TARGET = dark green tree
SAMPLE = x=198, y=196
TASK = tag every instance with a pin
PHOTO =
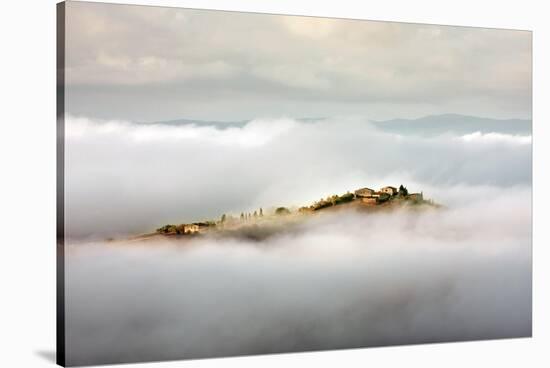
x=403, y=191
x=282, y=211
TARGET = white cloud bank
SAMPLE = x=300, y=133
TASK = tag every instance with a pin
x=124, y=178
x=335, y=282
x=497, y=138
x=460, y=273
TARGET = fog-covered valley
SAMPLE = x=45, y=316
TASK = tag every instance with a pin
x=339, y=280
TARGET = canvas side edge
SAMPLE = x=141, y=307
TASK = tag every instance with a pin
x=60, y=184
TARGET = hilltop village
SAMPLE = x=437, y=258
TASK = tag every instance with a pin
x=364, y=198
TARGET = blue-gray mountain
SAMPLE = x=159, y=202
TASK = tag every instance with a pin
x=431, y=125
x=453, y=123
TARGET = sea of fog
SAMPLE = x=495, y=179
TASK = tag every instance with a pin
x=340, y=280
x=123, y=177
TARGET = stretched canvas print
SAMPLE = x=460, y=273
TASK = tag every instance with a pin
x=237, y=183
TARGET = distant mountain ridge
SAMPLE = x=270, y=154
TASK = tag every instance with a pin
x=217, y=124
x=430, y=125
x=454, y=123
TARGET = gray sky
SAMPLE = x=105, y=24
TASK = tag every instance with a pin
x=151, y=63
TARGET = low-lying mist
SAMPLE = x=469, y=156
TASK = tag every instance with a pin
x=340, y=280
x=126, y=178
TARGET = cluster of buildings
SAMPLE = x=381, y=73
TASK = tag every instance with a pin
x=194, y=228
x=368, y=195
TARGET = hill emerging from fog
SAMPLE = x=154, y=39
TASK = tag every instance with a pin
x=260, y=224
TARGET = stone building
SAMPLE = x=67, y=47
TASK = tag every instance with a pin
x=364, y=193
x=191, y=228
x=389, y=190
